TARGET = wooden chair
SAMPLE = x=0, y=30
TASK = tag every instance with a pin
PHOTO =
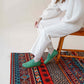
x=78, y=33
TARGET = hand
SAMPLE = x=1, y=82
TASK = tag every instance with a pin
x=37, y=22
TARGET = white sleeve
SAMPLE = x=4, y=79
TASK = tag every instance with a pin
x=51, y=11
x=74, y=11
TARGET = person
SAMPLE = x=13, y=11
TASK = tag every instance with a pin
x=60, y=18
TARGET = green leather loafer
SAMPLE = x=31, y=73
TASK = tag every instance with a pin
x=49, y=57
x=31, y=63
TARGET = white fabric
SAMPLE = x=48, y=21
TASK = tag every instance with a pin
x=55, y=28
x=51, y=11
x=74, y=11
x=43, y=41
x=58, y=20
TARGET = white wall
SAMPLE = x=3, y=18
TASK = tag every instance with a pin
x=16, y=11
x=18, y=18
x=20, y=15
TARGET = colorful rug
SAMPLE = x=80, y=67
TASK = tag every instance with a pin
x=21, y=75
x=73, y=68
x=68, y=71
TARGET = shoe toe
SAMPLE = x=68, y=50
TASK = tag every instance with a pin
x=24, y=65
x=45, y=62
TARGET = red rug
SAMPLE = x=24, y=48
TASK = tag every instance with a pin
x=21, y=75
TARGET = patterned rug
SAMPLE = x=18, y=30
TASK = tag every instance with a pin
x=68, y=71
x=73, y=68
x=21, y=75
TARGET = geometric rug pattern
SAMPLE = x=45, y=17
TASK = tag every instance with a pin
x=22, y=75
x=68, y=71
x=72, y=68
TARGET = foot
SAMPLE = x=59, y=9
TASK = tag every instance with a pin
x=49, y=57
x=31, y=63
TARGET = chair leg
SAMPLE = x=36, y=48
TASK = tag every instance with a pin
x=59, y=49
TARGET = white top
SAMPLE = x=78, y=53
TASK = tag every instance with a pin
x=74, y=11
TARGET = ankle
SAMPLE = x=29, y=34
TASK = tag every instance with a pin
x=36, y=60
x=51, y=51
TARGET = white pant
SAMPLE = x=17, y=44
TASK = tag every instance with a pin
x=48, y=29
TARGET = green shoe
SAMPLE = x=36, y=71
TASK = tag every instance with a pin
x=31, y=63
x=49, y=57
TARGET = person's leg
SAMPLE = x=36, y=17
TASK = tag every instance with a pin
x=36, y=44
x=51, y=53
x=33, y=49
x=42, y=42
x=50, y=48
x=60, y=30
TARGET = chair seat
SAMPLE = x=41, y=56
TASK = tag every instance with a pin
x=82, y=29
x=79, y=33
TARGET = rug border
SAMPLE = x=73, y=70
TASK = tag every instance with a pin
x=49, y=74
x=10, y=67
